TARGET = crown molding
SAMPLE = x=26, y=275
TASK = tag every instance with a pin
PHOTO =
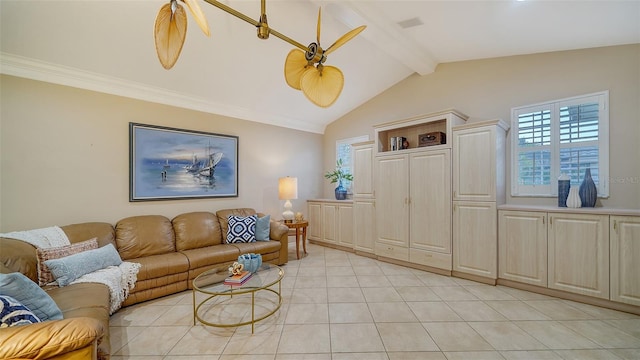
x=33, y=69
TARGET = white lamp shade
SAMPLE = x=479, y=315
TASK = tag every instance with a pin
x=288, y=188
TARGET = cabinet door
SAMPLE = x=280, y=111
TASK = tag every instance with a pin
x=363, y=171
x=345, y=225
x=625, y=259
x=363, y=220
x=314, y=230
x=392, y=191
x=474, y=164
x=475, y=238
x=579, y=253
x=330, y=223
x=522, y=247
x=430, y=189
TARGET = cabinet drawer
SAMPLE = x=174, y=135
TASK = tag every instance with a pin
x=430, y=258
x=392, y=251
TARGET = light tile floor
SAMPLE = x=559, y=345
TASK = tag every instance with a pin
x=341, y=306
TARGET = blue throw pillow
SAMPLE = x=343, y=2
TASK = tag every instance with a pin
x=242, y=229
x=263, y=227
x=12, y=313
x=29, y=294
x=69, y=268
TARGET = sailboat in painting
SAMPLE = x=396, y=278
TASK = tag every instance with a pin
x=209, y=169
x=195, y=165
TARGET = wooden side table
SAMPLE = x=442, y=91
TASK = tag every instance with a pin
x=301, y=229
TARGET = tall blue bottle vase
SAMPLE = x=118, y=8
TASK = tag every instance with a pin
x=341, y=191
x=588, y=190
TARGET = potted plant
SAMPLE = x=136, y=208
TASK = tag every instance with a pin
x=336, y=176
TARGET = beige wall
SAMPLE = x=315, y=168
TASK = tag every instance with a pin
x=488, y=89
x=64, y=157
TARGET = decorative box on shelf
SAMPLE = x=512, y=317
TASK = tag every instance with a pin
x=432, y=138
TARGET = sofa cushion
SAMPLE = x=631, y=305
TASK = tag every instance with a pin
x=140, y=236
x=28, y=293
x=70, y=268
x=159, y=266
x=258, y=247
x=13, y=313
x=44, y=274
x=212, y=255
x=241, y=229
x=223, y=217
x=263, y=226
x=196, y=230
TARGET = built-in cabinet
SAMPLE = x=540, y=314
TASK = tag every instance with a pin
x=625, y=259
x=331, y=222
x=478, y=187
x=522, y=247
x=430, y=208
x=576, y=251
x=475, y=250
x=413, y=191
x=440, y=207
x=364, y=202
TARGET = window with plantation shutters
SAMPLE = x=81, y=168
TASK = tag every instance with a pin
x=564, y=136
x=344, y=154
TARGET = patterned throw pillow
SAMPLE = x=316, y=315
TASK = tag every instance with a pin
x=44, y=274
x=13, y=313
x=242, y=229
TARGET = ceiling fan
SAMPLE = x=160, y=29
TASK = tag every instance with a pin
x=304, y=67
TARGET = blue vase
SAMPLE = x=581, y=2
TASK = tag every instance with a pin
x=588, y=190
x=564, y=183
x=341, y=191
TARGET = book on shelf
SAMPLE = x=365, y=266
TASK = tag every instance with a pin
x=238, y=279
x=392, y=145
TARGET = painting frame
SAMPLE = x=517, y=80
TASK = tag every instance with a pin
x=168, y=163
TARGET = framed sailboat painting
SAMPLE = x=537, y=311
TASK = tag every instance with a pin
x=168, y=164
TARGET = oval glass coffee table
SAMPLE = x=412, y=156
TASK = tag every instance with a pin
x=229, y=306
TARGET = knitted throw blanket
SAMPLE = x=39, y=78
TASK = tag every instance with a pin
x=41, y=238
x=119, y=279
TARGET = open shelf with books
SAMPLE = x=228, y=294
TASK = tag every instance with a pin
x=431, y=130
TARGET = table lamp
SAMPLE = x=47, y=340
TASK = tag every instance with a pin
x=287, y=190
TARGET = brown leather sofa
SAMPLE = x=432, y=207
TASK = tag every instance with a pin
x=172, y=253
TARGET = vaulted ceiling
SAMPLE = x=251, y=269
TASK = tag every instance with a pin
x=108, y=46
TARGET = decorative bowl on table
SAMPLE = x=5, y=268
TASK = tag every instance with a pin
x=251, y=262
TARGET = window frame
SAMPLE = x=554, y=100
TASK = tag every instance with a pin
x=555, y=146
x=349, y=166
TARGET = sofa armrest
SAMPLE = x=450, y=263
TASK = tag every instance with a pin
x=280, y=232
x=50, y=338
x=277, y=230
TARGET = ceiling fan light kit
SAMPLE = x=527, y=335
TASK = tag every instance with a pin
x=304, y=67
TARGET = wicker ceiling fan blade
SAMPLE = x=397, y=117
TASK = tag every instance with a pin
x=197, y=13
x=322, y=86
x=169, y=32
x=294, y=67
x=344, y=39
